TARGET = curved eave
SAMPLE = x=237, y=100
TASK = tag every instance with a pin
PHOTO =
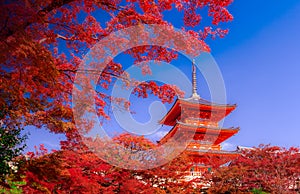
x=206, y=102
x=172, y=115
x=175, y=112
x=220, y=134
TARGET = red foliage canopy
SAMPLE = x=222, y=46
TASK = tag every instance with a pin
x=43, y=42
x=268, y=168
x=42, y=45
x=81, y=171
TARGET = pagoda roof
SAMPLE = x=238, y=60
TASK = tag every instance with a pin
x=221, y=134
x=202, y=101
x=195, y=103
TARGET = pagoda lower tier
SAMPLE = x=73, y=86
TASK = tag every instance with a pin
x=203, y=158
x=203, y=149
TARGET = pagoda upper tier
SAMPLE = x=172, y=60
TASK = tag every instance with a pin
x=196, y=107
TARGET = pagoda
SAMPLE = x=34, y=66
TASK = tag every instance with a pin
x=200, y=118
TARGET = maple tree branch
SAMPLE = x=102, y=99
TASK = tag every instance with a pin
x=5, y=24
x=70, y=78
x=54, y=5
x=119, y=8
x=4, y=34
x=41, y=13
x=96, y=72
x=58, y=36
x=64, y=37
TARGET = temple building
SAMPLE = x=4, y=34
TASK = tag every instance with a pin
x=200, y=119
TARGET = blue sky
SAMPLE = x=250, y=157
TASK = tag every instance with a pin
x=260, y=64
x=261, y=68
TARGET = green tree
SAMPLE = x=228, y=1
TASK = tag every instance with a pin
x=11, y=146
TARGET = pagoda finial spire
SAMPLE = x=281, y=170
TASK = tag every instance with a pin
x=194, y=81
